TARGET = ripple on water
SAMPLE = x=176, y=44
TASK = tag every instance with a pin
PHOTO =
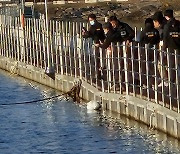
x=65, y=127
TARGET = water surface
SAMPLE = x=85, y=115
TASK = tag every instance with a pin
x=65, y=127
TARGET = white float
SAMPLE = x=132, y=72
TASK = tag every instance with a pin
x=93, y=105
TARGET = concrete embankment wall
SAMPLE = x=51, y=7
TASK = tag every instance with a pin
x=149, y=113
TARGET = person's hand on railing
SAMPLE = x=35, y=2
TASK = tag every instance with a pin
x=96, y=45
x=108, y=51
x=128, y=43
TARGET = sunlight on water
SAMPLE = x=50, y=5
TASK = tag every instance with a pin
x=59, y=126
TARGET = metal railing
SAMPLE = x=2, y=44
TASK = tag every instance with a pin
x=147, y=73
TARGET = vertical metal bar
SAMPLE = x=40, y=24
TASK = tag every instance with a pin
x=147, y=71
x=69, y=47
x=132, y=68
x=33, y=41
x=89, y=61
x=119, y=66
x=109, y=72
x=113, y=67
x=140, y=69
x=177, y=67
x=40, y=36
x=44, y=43
x=51, y=39
x=64, y=47
x=126, y=67
x=155, y=74
x=56, y=46
x=61, y=48
x=162, y=74
x=74, y=48
x=169, y=76
x=29, y=42
x=101, y=64
x=36, y=42
x=79, y=39
x=47, y=33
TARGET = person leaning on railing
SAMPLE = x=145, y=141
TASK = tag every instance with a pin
x=171, y=41
x=111, y=36
x=159, y=22
x=97, y=34
x=126, y=32
x=95, y=31
x=151, y=38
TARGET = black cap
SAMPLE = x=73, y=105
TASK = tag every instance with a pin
x=149, y=22
x=107, y=25
x=169, y=13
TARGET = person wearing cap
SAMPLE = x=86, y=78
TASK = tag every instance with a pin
x=171, y=41
x=171, y=32
x=110, y=36
x=150, y=37
x=95, y=31
x=126, y=32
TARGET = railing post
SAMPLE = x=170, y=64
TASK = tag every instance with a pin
x=101, y=65
x=169, y=77
x=79, y=47
x=177, y=67
x=155, y=74
x=126, y=67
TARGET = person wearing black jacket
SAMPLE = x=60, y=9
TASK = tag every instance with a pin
x=110, y=36
x=171, y=32
x=159, y=22
x=126, y=32
x=149, y=36
x=171, y=40
x=95, y=31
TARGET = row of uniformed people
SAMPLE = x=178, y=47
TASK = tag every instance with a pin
x=158, y=28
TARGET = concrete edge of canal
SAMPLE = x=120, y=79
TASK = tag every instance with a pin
x=154, y=115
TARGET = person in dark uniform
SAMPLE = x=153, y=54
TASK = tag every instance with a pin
x=97, y=34
x=159, y=21
x=127, y=33
x=171, y=32
x=95, y=31
x=171, y=40
x=150, y=37
x=110, y=36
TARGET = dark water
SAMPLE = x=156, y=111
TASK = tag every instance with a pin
x=65, y=127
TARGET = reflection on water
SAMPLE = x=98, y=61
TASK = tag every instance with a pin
x=57, y=126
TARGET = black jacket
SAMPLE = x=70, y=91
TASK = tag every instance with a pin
x=149, y=36
x=127, y=33
x=95, y=32
x=171, y=34
x=111, y=37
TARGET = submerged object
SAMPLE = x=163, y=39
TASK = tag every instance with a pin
x=93, y=105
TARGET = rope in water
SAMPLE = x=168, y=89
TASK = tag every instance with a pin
x=73, y=93
x=33, y=101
